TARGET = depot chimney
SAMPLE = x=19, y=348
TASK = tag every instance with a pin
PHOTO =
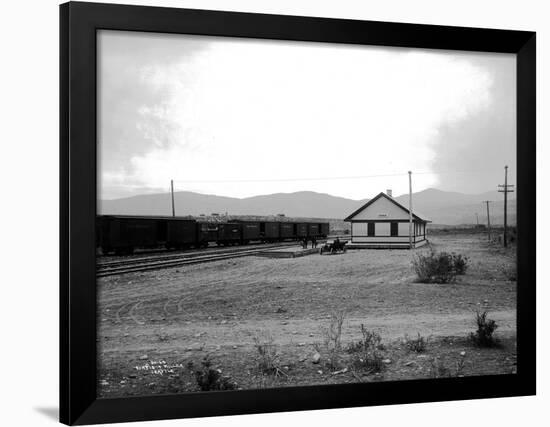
x=388, y=192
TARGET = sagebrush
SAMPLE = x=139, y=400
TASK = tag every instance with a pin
x=366, y=353
x=483, y=336
x=333, y=338
x=460, y=263
x=417, y=345
x=439, y=267
x=440, y=369
x=211, y=379
x=268, y=358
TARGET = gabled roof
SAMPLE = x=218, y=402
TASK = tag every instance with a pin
x=391, y=199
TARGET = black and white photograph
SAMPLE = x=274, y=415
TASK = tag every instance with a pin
x=277, y=213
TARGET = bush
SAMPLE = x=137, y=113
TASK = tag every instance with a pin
x=460, y=263
x=333, y=338
x=439, y=267
x=268, y=359
x=483, y=336
x=366, y=352
x=211, y=379
x=460, y=364
x=417, y=345
x=439, y=368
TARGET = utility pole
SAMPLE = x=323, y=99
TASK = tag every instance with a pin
x=477, y=219
x=410, y=211
x=488, y=220
x=505, y=190
x=172, y=191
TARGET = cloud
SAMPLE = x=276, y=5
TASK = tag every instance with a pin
x=133, y=106
x=486, y=140
x=221, y=109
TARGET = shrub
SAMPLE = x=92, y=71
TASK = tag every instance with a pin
x=366, y=352
x=333, y=338
x=438, y=369
x=439, y=267
x=483, y=336
x=212, y=379
x=460, y=263
x=268, y=359
x=417, y=345
x=460, y=364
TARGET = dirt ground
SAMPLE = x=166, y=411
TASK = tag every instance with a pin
x=156, y=327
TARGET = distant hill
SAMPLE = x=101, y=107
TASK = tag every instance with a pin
x=299, y=204
x=442, y=207
x=452, y=208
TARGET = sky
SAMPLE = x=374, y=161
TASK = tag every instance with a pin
x=243, y=117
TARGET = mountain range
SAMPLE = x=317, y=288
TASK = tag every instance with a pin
x=441, y=207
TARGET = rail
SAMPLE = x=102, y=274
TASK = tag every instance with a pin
x=157, y=263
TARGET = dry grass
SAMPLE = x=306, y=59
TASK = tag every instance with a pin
x=218, y=308
x=333, y=338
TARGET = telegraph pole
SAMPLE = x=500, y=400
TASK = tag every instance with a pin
x=410, y=211
x=488, y=220
x=505, y=190
x=172, y=191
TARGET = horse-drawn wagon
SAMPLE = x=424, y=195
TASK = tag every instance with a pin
x=334, y=246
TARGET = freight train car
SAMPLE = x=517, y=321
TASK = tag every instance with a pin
x=207, y=232
x=301, y=229
x=324, y=228
x=124, y=233
x=181, y=233
x=229, y=234
x=250, y=232
x=287, y=231
x=270, y=231
x=320, y=229
x=313, y=230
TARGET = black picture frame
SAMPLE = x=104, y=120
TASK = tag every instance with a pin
x=78, y=25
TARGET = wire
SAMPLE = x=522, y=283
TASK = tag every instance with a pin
x=328, y=178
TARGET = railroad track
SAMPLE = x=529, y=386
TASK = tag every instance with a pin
x=157, y=262
x=134, y=265
x=147, y=257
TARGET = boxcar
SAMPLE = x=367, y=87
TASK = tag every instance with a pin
x=123, y=234
x=301, y=229
x=269, y=231
x=287, y=231
x=206, y=232
x=182, y=233
x=229, y=234
x=324, y=228
x=313, y=230
x=250, y=231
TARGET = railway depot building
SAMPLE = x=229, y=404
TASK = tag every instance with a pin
x=383, y=223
